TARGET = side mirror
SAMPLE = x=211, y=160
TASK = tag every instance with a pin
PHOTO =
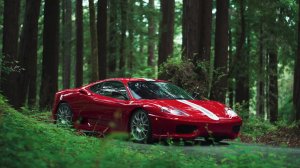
x=195, y=95
x=83, y=91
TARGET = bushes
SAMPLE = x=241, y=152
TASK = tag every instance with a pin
x=194, y=79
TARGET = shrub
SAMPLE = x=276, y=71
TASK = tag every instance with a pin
x=194, y=79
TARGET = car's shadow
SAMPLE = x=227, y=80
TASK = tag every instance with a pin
x=191, y=143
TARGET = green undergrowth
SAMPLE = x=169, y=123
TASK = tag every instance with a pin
x=27, y=142
x=255, y=127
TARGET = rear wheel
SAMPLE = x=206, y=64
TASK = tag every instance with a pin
x=140, y=128
x=64, y=115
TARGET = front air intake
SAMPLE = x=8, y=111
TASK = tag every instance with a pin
x=236, y=129
x=185, y=129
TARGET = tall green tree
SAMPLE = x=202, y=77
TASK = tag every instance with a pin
x=49, y=78
x=165, y=48
x=122, y=61
x=296, y=91
x=190, y=29
x=79, y=44
x=67, y=42
x=113, y=36
x=28, y=54
x=261, y=74
x=242, y=62
x=221, y=52
x=197, y=25
x=273, y=85
x=9, y=49
x=93, y=59
x=151, y=33
x=102, y=38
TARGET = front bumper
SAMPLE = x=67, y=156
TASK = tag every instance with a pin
x=177, y=128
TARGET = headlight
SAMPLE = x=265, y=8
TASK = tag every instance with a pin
x=230, y=112
x=173, y=111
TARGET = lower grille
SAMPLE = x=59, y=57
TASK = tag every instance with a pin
x=185, y=129
x=236, y=129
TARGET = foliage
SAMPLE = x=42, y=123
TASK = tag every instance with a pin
x=255, y=127
x=186, y=75
x=26, y=142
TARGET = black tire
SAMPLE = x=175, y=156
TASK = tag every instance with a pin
x=64, y=115
x=140, y=127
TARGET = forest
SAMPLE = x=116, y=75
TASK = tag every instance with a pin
x=238, y=52
x=244, y=53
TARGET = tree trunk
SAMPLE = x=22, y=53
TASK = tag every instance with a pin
x=231, y=83
x=124, y=4
x=197, y=24
x=190, y=29
x=50, y=53
x=113, y=33
x=67, y=42
x=151, y=33
x=267, y=84
x=102, y=37
x=93, y=60
x=131, y=26
x=260, y=83
x=221, y=52
x=79, y=44
x=273, y=86
x=9, y=49
x=166, y=31
x=241, y=67
x=130, y=54
x=205, y=33
x=296, y=93
x=28, y=54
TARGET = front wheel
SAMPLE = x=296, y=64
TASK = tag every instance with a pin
x=140, y=128
x=64, y=115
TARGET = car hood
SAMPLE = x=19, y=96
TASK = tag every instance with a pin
x=198, y=108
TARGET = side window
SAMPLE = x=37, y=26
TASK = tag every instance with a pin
x=96, y=88
x=112, y=89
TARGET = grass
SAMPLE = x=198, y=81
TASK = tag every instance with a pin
x=27, y=142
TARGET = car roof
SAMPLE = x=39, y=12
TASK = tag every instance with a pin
x=132, y=79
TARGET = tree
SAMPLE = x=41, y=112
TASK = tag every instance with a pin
x=131, y=26
x=28, y=54
x=190, y=29
x=166, y=31
x=241, y=70
x=197, y=23
x=79, y=44
x=113, y=35
x=296, y=93
x=151, y=33
x=50, y=53
x=260, y=84
x=102, y=37
x=9, y=49
x=93, y=60
x=124, y=9
x=67, y=42
x=221, y=52
x=273, y=85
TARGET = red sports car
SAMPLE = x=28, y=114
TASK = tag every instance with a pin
x=147, y=109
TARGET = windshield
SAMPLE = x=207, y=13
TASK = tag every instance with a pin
x=157, y=90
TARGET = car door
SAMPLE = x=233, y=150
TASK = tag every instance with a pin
x=108, y=103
